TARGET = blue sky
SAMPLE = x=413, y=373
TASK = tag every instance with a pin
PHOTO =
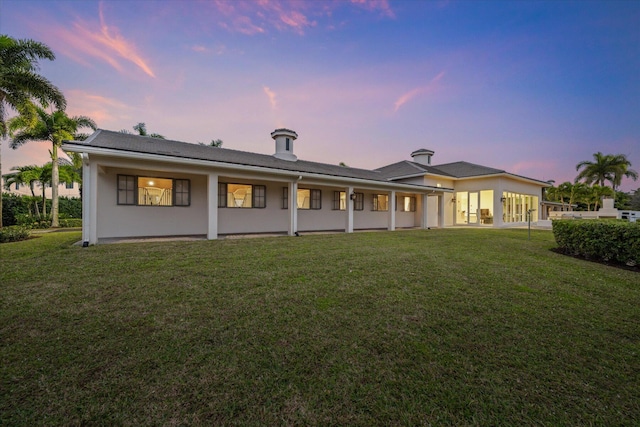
x=532, y=87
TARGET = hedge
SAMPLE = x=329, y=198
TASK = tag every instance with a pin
x=600, y=240
x=14, y=233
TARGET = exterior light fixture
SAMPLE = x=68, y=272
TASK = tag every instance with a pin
x=503, y=199
x=352, y=196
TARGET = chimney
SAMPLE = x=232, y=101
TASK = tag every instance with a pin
x=284, y=144
x=422, y=156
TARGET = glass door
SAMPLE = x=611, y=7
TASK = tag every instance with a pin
x=473, y=208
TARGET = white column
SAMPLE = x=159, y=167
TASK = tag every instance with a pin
x=441, y=212
x=392, y=211
x=424, y=214
x=349, y=225
x=212, y=206
x=89, y=202
x=293, y=208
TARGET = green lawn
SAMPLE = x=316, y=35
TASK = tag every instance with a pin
x=425, y=327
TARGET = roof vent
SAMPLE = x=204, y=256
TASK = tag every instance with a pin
x=422, y=156
x=284, y=144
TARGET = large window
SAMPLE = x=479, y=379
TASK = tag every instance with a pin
x=516, y=207
x=309, y=199
x=241, y=196
x=406, y=204
x=339, y=200
x=149, y=191
x=380, y=202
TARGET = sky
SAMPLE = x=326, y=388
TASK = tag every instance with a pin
x=531, y=87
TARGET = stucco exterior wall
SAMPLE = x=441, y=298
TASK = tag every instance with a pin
x=115, y=220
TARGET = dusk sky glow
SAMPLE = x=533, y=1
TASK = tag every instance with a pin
x=532, y=87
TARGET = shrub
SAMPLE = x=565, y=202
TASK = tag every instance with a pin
x=14, y=233
x=602, y=240
x=71, y=222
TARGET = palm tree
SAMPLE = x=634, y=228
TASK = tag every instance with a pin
x=622, y=169
x=141, y=128
x=607, y=167
x=55, y=127
x=25, y=175
x=21, y=85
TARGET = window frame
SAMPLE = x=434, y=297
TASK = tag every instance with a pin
x=376, y=203
x=133, y=193
x=256, y=199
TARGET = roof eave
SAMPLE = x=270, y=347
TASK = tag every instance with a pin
x=76, y=147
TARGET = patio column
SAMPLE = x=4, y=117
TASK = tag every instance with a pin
x=424, y=213
x=212, y=206
x=349, y=207
x=89, y=202
x=293, y=208
x=392, y=211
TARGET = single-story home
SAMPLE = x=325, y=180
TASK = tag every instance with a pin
x=137, y=186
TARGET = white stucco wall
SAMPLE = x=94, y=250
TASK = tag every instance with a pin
x=115, y=220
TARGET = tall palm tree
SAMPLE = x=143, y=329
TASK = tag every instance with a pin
x=605, y=167
x=21, y=85
x=55, y=127
x=622, y=169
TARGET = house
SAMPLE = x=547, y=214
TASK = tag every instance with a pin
x=136, y=186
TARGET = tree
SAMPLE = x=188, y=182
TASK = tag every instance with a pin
x=55, y=127
x=21, y=85
x=604, y=168
x=595, y=194
x=25, y=175
x=634, y=203
x=214, y=143
x=141, y=128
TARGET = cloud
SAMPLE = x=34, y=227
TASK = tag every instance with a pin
x=252, y=17
x=376, y=5
x=103, y=110
x=271, y=95
x=422, y=90
x=106, y=44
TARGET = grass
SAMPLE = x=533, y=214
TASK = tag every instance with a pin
x=426, y=327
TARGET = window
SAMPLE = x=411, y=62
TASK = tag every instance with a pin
x=380, y=202
x=309, y=199
x=339, y=200
x=181, y=193
x=358, y=203
x=288, y=144
x=285, y=198
x=148, y=191
x=68, y=185
x=17, y=185
x=406, y=204
x=126, y=190
x=241, y=196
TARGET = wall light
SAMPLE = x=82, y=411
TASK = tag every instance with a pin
x=352, y=196
x=503, y=199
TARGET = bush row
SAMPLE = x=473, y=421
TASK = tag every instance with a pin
x=20, y=210
x=601, y=240
x=14, y=233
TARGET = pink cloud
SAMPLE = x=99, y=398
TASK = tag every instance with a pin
x=255, y=17
x=422, y=90
x=103, y=110
x=271, y=95
x=107, y=45
x=376, y=5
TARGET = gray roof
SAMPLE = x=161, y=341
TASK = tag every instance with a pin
x=454, y=170
x=143, y=144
